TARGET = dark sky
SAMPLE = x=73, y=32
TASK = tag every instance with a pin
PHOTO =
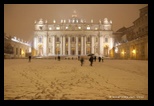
x=19, y=18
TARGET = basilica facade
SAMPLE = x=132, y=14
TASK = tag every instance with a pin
x=73, y=37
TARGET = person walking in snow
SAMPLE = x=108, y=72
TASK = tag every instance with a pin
x=29, y=58
x=91, y=60
x=99, y=58
x=102, y=59
x=82, y=60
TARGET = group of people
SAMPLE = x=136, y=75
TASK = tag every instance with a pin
x=91, y=59
x=99, y=58
x=82, y=59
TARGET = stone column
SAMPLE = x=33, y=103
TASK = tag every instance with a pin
x=85, y=45
x=34, y=43
x=81, y=45
x=101, y=48
x=44, y=44
x=47, y=43
x=69, y=45
x=53, y=45
x=63, y=45
x=98, y=47
x=111, y=42
x=76, y=45
x=37, y=45
x=92, y=44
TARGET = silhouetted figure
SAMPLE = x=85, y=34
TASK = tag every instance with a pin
x=102, y=59
x=29, y=58
x=99, y=58
x=95, y=58
x=91, y=60
x=82, y=60
x=78, y=57
x=58, y=58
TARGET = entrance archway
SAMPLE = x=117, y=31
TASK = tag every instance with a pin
x=57, y=50
x=106, y=47
x=72, y=51
x=40, y=50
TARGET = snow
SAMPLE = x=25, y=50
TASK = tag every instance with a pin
x=49, y=79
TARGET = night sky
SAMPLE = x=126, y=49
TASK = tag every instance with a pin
x=19, y=18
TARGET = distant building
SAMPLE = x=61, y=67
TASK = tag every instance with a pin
x=73, y=37
x=15, y=47
x=132, y=42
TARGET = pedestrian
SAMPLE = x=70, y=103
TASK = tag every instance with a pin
x=99, y=58
x=78, y=57
x=29, y=58
x=102, y=59
x=95, y=58
x=82, y=61
x=59, y=58
x=91, y=60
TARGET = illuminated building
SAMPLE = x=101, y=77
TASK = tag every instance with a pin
x=72, y=37
x=132, y=42
x=15, y=47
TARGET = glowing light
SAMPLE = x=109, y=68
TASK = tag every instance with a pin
x=88, y=28
x=57, y=28
x=134, y=51
x=50, y=28
x=122, y=52
x=96, y=28
x=22, y=52
x=81, y=21
x=66, y=27
x=64, y=21
x=30, y=49
x=79, y=27
x=116, y=50
x=54, y=21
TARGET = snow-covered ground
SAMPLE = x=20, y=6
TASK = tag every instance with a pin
x=48, y=79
